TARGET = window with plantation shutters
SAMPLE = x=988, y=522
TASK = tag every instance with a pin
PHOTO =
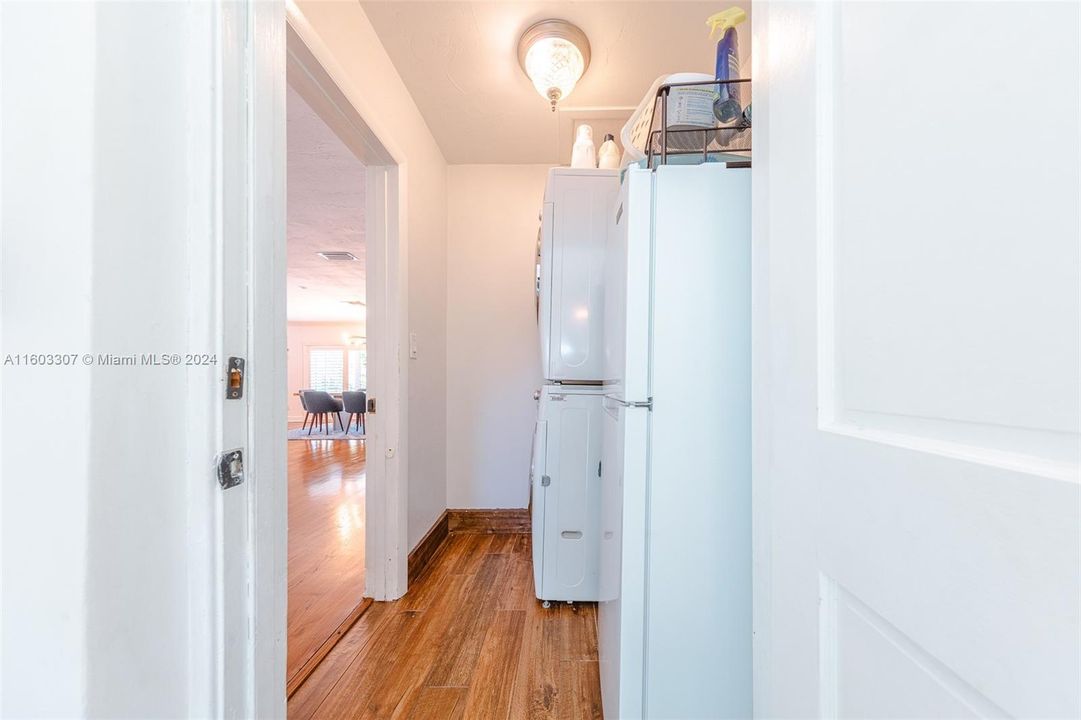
x=358, y=369
x=326, y=369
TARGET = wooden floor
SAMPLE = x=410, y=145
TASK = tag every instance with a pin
x=326, y=542
x=469, y=641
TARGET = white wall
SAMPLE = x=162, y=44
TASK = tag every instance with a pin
x=107, y=564
x=377, y=92
x=493, y=351
x=302, y=335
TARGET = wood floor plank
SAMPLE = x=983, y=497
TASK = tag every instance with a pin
x=311, y=694
x=502, y=543
x=519, y=591
x=579, y=632
x=468, y=642
x=329, y=644
x=490, y=577
x=493, y=680
x=325, y=552
x=393, y=695
x=579, y=698
x=467, y=553
x=538, y=679
x=367, y=672
x=461, y=643
x=437, y=703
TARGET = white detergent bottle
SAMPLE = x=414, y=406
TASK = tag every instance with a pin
x=608, y=155
x=584, y=154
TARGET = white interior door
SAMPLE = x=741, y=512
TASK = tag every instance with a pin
x=916, y=195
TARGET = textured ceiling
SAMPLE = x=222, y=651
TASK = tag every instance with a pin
x=325, y=211
x=459, y=61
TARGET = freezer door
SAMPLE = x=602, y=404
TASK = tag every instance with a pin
x=571, y=519
x=627, y=290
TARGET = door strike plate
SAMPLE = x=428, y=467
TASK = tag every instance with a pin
x=230, y=468
x=234, y=386
x=371, y=405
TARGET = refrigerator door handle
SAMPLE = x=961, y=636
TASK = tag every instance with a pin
x=611, y=402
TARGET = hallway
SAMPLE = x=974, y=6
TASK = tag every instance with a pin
x=326, y=542
x=469, y=640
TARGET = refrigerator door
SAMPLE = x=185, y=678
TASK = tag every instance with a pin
x=577, y=207
x=621, y=613
x=698, y=638
x=570, y=494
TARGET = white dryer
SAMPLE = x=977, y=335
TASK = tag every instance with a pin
x=575, y=222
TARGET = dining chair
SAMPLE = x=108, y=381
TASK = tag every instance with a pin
x=320, y=404
x=307, y=412
x=356, y=404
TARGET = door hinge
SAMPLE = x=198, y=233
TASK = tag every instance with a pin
x=545, y=481
x=230, y=468
x=599, y=467
x=234, y=388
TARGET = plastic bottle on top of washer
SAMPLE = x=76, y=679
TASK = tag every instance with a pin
x=584, y=154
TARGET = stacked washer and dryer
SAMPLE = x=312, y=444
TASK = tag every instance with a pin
x=566, y=467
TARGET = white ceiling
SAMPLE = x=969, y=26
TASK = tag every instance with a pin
x=459, y=61
x=324, y=211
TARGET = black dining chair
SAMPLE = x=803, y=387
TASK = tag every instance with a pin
x=320, y=404
x=356, y=404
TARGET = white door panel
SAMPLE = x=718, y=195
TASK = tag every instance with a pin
x=918, y=427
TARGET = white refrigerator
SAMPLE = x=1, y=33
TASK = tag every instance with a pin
x=675, y=563
x=564, y=477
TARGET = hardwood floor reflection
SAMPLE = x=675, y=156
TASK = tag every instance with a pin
x=469, y=641
x=326, y=542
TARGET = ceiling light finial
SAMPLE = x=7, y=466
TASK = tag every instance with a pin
x=554, y=54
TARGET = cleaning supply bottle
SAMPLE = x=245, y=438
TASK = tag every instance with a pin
x=608, y=155
x=584, y=154
x=727, y=108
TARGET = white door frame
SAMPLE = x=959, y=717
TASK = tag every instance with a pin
x=270, y=41
x=313, y=74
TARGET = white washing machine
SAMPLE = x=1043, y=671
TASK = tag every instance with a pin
x=565, y=481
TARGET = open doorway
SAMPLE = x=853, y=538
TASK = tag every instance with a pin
x=327, y=384
x=342, y=274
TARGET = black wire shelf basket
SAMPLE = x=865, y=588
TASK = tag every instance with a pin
x=683, y=144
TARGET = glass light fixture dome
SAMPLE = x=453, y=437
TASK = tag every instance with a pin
x=554, y=54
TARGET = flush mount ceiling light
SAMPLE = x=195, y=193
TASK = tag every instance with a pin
x=553, y=54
